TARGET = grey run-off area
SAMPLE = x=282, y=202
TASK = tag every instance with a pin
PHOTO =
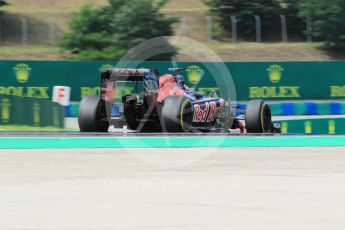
x=266, y=188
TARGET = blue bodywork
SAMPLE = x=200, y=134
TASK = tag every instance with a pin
x=205, y=108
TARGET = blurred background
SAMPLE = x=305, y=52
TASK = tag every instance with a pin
x=249, y=30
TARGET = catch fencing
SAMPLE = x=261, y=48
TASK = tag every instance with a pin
x=26, y=31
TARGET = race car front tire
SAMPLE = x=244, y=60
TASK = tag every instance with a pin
x=258, y=117
x=92, y=116
x=176, y=114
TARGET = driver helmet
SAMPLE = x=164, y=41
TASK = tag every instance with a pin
x=180, y=81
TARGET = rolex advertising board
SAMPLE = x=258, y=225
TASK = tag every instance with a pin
x=289, y=80
x=329, y=126
x=36, y=79
x=28, y=111
x=266, y=80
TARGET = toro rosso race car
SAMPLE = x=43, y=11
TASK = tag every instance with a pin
x=147, y=102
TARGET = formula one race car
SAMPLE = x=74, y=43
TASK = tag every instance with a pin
x=145, y=102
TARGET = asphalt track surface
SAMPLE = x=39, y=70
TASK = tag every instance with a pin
x=170, y=188
x=102, y=189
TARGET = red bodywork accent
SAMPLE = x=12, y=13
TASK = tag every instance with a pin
x=109, y=91
x=168, y=87
x=213, y=112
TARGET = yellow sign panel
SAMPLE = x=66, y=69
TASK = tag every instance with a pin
x=5, y=110
x=274, y=92
x=275, y=73
x=194, y=74
x=106, y=67
x=36, y=112
x=338, y=91
x=32, y=91
x=308, y=127
x=331, y=127
x=22, y=72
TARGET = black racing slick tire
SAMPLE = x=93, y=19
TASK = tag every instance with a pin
x=92, y=116
x=176, y=114
x=258, y=117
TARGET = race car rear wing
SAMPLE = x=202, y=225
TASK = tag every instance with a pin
x=119, y=74
x=109, y=79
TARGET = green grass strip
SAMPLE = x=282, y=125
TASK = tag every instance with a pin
x=169, y=142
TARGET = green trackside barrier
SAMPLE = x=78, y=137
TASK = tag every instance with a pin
x=323, y=108
x=277, y=109
x=281, y=81
x=307, y=108
x=30, y=112
x=73, y=110
x=314, y=126
x=299, y=109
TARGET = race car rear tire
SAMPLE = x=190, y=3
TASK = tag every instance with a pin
x=258, y=117
x=92, y=116
x=176, y=114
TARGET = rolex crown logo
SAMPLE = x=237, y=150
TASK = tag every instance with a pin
x=275, y=73
x=194, y=74
x=22, y=72
x=106, y=67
